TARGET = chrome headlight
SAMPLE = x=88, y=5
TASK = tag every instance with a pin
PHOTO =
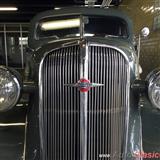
x=154, y=87
x=9, y=89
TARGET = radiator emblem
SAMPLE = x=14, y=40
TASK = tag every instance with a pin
x=84, y=85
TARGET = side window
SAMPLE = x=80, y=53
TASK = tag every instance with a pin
x=156, y=21
x=13, y=43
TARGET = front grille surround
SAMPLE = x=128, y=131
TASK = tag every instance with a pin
x=75, y=53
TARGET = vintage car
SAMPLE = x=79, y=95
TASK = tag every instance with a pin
x=83, y=79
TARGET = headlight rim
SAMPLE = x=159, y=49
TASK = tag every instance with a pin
x=152, y=78
x=17, y=80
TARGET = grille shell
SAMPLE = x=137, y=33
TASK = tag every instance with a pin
x=107, y=106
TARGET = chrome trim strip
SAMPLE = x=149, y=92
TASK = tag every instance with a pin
x=5, y=45
x=83, y=102
x=128, y=111
x=25, y=139
x=22, y=53
x=40, y=107
x=81, y=27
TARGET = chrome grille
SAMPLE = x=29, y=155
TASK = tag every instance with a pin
x=60, y=107
x=107, y=105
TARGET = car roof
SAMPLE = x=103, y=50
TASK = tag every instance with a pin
x=69, y=11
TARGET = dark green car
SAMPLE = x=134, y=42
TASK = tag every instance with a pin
x=84, y=85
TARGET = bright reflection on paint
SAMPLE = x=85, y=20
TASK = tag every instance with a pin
x=86, y=34
x=57, y=8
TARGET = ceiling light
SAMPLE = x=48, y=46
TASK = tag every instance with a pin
x=60, y=24
x=11, y=124
x=57, y=8
x=8, y=8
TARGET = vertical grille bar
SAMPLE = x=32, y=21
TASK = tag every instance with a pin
x=61, y=112
x=83, y=103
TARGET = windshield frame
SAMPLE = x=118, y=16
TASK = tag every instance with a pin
x=84, y=21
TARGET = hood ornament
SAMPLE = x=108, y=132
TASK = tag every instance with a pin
x=84, y=85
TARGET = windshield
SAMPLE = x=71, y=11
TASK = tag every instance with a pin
x=106, y=26
x=101, y=26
